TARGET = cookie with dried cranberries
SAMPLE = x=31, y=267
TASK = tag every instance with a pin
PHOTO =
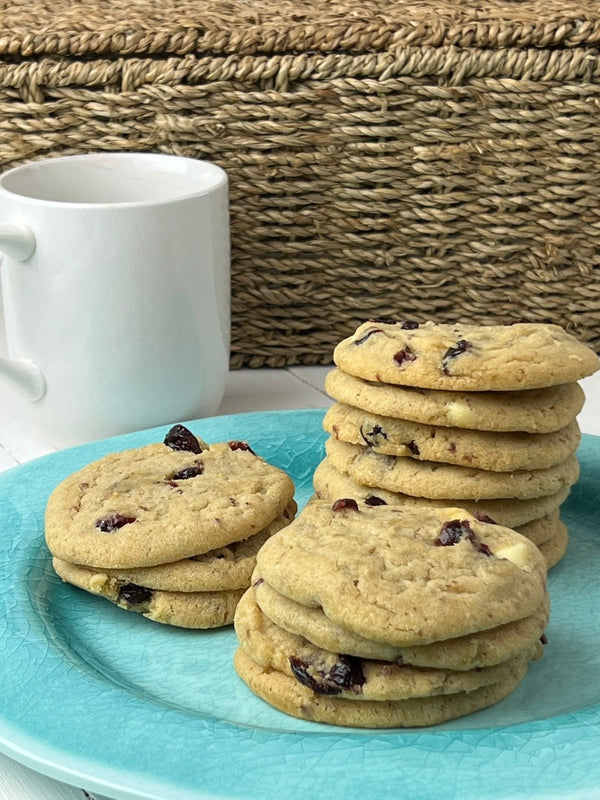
x=404, y=576
x=465, y=357
x=489, y=450
x=164, y=502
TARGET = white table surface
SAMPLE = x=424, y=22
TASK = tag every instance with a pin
x=247, y=390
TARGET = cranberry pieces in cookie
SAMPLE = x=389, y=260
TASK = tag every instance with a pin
x=345, y=673
x=367, y=335
x=180, y=438
x=345, y=504
x=454, y=531
x=113, y=522
x=188, y=472
x=134, y=595
x=371, y=434
x=452, y=352
x=373, y=500
x=403, y=356
x=237, y=444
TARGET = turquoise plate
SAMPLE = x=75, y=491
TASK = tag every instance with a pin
x=102, y=698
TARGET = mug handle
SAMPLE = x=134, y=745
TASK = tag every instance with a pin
x=18, y=243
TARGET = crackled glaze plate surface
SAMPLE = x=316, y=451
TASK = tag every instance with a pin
x=102, y=698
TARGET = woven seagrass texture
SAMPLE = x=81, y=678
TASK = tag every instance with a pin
x=409, y=159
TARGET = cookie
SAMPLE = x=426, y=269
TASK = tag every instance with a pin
x=404, y=576
x=499, y=452
x=555, y=548
x=480, y=649
x=465, y=357
x=288, y=695
x=330, y=483
x=328, y=672
x=163, y=502
x=433, y=480
x=542, y=529
x=226, y=568
x=183, y=609
x=533, y=411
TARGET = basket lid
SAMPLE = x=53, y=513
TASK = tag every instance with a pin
x=60, y=28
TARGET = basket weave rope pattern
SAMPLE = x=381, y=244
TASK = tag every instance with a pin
x=409, y=159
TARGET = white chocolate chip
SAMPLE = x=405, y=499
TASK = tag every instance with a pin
x=460, y=415
x=516, y=553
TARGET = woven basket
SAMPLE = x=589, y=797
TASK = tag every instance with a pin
x=412, y=159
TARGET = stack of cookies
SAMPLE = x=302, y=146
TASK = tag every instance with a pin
x=380, y=616
x=170, y=530
x=478, y=416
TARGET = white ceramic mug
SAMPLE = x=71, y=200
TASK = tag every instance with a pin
x=115, y=289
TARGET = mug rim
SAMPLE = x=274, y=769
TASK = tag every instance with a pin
x=218, y=178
